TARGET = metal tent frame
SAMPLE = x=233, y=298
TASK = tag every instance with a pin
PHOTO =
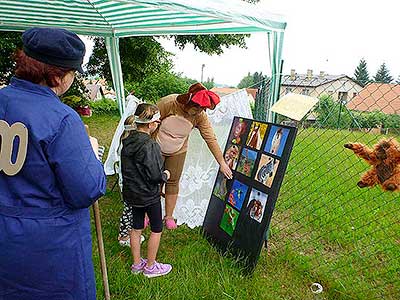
x=115, y=19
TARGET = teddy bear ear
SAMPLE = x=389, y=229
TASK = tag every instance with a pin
x=196, y=87
x=183, y=98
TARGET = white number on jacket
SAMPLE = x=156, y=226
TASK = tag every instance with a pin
x=7, y=136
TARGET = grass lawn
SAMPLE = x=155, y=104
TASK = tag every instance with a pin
x=324, y=229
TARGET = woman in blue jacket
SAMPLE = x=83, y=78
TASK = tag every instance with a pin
x=49, y=175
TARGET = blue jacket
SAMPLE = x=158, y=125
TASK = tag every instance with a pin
x=45, y=240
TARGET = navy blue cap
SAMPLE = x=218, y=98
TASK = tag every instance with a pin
x=54, y=46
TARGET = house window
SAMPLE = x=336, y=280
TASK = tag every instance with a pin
x=305, y=92
x=288, y=90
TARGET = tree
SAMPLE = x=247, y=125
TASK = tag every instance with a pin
x=211, y=44
x=144, y=56
x=259, y=79
x=398, y=80
x=361, y=73
x=209, y=84
x=9, y=42
x=141, y=57
x=254, y=80
x=383, y=75
x=246, y=81
x=157, y=85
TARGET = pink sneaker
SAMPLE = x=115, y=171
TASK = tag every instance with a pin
x=170, y=224
x=157, y=269
x=136, y=269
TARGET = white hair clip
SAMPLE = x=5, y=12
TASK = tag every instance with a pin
x=156, y=117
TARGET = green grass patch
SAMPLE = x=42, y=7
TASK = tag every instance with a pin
x=324, y=229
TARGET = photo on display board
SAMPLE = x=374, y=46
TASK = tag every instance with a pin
x=256, y=135
x=247, y=162
x=276, y=140
x=220, y=189
x=238, y=133
x=229, y=219
x=238, y=194
x=267, y=170
x=256, y=205
x=231, y=156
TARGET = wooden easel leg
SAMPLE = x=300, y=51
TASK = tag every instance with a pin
x=103, y=265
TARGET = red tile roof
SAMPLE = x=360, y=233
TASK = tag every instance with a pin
x=382, y=97
x=227, y=91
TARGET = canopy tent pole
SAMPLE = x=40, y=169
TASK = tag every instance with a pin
x=276, y=64
x=112, y=45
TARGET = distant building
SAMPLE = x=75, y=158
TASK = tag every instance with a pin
x=384, y=97
x=252, y=93
x=337, y=86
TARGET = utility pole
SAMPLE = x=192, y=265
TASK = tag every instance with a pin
x=202, y=72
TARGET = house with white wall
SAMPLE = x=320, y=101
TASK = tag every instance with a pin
x=339, y=87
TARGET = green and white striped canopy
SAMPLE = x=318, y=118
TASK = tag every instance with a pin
x=122, y=18
x=114, y=19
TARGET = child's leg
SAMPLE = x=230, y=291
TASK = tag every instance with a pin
x=138, y=225
x=152, y=247
x=125, y=223
x=135, y=245
x=155, y=216
x=153, y=268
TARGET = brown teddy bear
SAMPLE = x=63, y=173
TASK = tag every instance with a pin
x=385, y=162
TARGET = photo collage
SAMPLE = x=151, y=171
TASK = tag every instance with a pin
x=253, y=152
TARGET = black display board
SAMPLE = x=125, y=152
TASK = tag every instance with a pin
x=240, y=209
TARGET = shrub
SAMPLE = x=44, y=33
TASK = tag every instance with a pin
x=74, y=101
x=104, y=106
x=152, y=88
x=76, y=96
x=331, y=114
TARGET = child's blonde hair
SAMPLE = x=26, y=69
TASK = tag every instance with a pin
x=144, y=111
x=129, y=121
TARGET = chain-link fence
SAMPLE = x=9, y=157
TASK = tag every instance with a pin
x=333, y=232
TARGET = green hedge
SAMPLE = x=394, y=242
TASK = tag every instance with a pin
x=104, y=106
x=331, y=114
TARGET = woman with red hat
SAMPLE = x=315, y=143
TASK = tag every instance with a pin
x=180, y=114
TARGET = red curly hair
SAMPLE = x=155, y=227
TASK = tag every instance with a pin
x=37, y=72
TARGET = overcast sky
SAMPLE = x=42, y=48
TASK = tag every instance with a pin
x=330, y=36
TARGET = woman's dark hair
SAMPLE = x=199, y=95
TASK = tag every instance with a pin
x=37, y=72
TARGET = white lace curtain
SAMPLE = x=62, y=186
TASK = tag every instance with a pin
x=200, y=167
